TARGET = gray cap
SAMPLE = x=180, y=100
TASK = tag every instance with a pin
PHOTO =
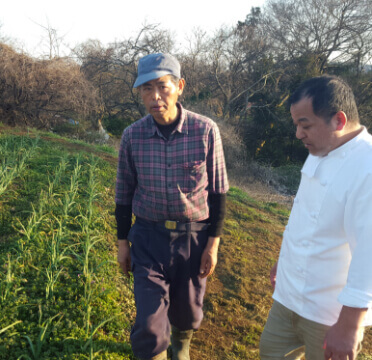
x=154, y=66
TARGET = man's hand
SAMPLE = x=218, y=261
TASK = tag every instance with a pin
x=343, y=338
x=124, y=256
x=209, y=257
x=273, y=275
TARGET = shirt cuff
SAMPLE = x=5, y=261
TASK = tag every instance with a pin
x=355, y=298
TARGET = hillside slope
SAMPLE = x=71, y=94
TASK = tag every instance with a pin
x=62, y=295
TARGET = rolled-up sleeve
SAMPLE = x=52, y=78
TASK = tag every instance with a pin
x=126, y=177
x=358, y=226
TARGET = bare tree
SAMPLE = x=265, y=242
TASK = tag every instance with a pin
x=113, y=69
x=330, y=29
x=34, y=91
x=52, y=40
x=239, y=65
x=194, y=66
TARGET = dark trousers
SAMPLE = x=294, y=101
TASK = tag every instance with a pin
x=167, y=288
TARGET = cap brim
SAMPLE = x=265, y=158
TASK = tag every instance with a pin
x=148, y=77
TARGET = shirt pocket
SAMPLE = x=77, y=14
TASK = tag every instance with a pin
x=194, y=176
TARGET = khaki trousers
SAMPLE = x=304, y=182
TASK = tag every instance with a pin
x=289, y=336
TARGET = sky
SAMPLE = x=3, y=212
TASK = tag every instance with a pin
x=76, y=21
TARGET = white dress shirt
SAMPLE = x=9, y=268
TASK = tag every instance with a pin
x=326, y=255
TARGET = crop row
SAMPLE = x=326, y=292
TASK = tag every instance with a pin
x=61, y=294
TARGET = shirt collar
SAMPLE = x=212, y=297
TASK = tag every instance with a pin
x=182, y=127
x=350, y=145
x=312, y=162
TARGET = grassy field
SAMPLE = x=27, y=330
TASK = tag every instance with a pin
x=62, y=295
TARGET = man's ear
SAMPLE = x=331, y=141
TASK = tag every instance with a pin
x=341, y=120
x=181, y=86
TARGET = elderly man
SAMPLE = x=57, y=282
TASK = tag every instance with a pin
x=323, y=279
x=171, y=174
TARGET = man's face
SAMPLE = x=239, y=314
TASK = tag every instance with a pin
x=318, y=137
x=160, y=97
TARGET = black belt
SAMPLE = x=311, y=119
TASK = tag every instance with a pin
x=175, y=225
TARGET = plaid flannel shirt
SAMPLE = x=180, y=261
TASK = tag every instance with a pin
x=170, y=179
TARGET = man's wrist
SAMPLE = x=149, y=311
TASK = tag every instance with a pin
x=123, y=241
x=213, y=243
x=352, y=318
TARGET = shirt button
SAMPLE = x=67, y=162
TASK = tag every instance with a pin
x=299, y=269
x=169, y=185
x=169, y=165
x=323, y=182
x=313, y=215
x=305, y=243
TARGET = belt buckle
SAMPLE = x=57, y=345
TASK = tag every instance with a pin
x=170, y=225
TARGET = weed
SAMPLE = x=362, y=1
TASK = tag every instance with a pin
x=9, y=326
x=15, y=154
x=45, y=330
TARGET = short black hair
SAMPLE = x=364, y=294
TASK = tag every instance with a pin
x=330, y=94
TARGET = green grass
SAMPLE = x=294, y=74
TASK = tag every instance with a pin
x=88, y=147
x=62, y=295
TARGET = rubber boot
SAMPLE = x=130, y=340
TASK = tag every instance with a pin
x=181, y=344
x=161, y=356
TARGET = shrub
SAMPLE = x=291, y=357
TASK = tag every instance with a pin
x=115, y=124
x=68, y=129
x=289, y=177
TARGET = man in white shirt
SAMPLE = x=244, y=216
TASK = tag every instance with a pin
x=323, y=278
